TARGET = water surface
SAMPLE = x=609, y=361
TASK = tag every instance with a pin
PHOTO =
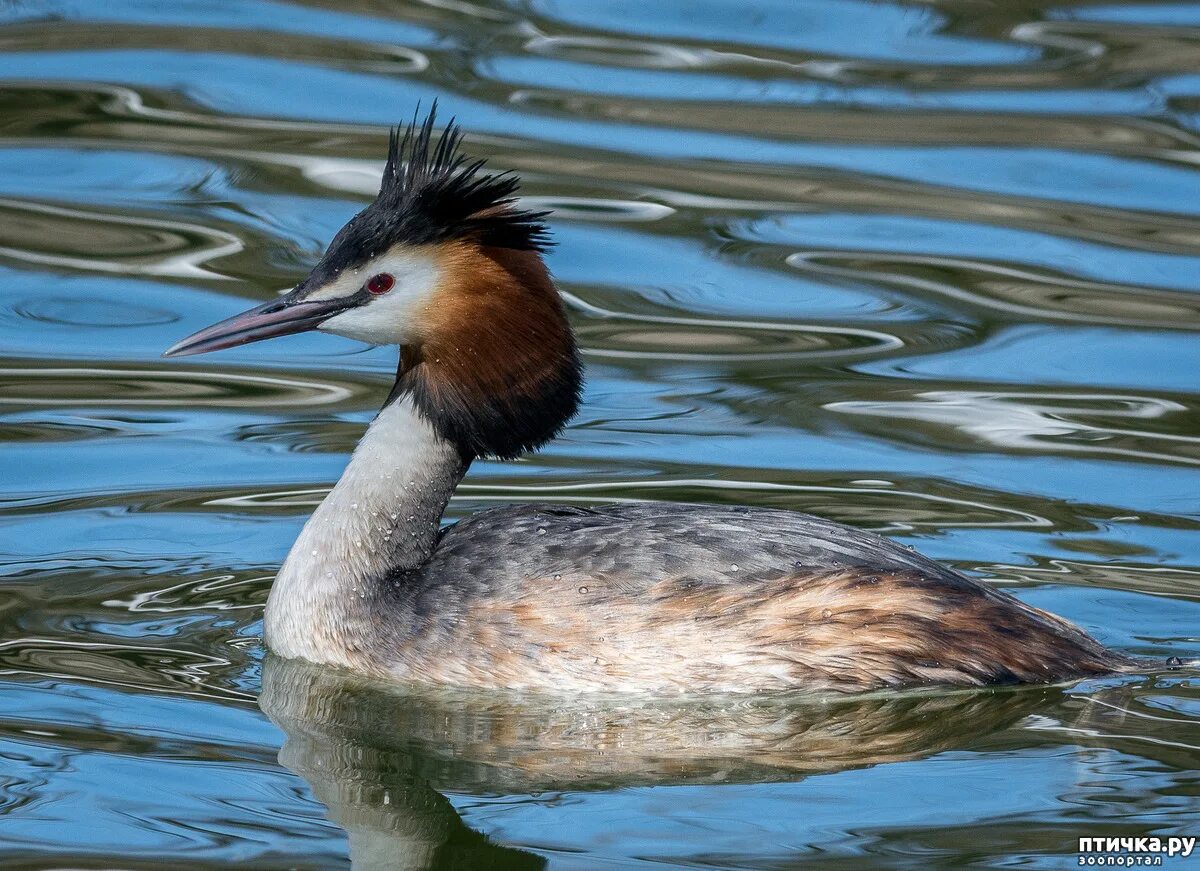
x=928, y=268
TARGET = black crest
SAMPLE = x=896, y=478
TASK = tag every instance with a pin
x=438, y=193
x=431, y=193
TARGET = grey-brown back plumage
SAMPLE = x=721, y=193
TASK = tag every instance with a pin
x=663, y=596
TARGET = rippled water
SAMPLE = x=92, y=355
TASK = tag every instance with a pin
x=929, y=268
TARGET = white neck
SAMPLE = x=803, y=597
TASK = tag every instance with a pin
x=381, y=519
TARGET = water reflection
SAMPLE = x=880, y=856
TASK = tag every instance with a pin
x=380, y=757
x=91, y=241
x=133, y=665
x=928, y=268
x=1042, y=420
x=1009, y=290
x=130, y=388
x=677, y=338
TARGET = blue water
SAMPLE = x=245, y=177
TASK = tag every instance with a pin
x=926, y=268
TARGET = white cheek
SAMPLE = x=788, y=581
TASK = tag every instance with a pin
x=388, y=319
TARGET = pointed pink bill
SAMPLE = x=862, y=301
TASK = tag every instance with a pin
x=279, y=317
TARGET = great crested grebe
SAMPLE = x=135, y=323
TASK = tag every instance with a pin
x=641, y=597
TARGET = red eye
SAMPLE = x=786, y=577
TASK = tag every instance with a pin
x=380, y=283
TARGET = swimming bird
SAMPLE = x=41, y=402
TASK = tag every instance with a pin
x=642, y=597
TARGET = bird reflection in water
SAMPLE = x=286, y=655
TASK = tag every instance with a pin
x=380, y=757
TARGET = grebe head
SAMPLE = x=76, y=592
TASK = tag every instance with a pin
x=446, y=265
